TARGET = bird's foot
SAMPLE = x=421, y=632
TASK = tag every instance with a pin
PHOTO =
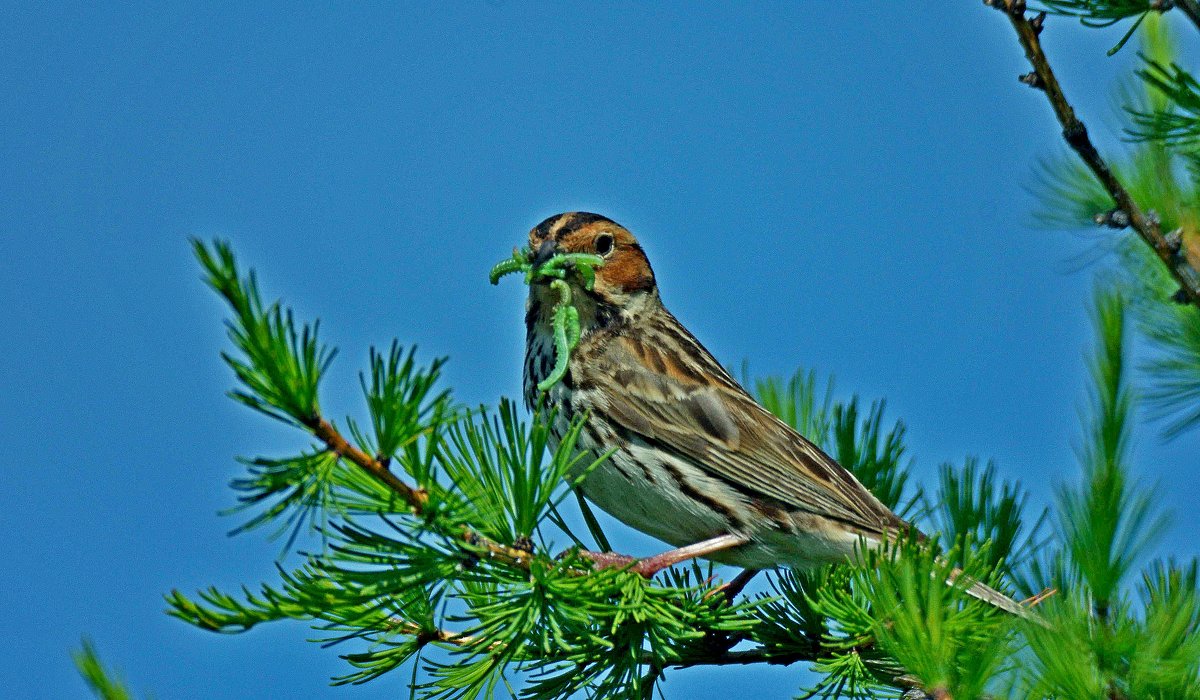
x=650, y=566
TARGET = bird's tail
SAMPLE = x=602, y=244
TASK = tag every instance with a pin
x=991, y=596
x=975, y=588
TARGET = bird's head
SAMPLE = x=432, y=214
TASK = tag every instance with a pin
x=623, y=279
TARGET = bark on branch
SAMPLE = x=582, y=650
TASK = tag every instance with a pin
x=1075, y=134
x=335, y=442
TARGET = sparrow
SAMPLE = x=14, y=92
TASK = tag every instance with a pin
x=695, y=461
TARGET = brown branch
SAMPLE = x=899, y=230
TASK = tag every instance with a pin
x=416, y=498
x=734, y=588
x=514, y=556
x=762, y=655
x=718, y=654
x=1076, y=136
x=721, y=657
x=326, y=433
x=425, y=636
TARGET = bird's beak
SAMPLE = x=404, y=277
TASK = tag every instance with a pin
x=544, y=252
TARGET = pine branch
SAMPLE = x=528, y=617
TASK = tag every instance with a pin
x=1075, y=134
x=477, y=532
x=715, y=655
x=324, y=431
x=415, y=497
x=425, y=636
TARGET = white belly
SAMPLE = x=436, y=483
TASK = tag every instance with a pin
x=621, y=487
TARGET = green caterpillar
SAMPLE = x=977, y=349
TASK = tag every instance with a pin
x=566, y=316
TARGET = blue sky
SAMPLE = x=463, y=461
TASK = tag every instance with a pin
x=834, y=186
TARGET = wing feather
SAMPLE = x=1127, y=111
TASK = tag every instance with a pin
x=677, y=395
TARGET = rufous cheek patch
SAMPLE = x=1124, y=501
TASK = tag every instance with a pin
x=628, y=271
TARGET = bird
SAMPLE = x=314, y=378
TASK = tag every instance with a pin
x=694, y=460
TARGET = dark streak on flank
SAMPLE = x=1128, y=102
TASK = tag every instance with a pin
x=695, y=494
x=645, y=469
x=598, y=445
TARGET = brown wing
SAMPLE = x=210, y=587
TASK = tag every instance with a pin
x=664, y=386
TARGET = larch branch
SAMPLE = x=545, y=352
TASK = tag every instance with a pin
x=335, y=442
x=1076, y=136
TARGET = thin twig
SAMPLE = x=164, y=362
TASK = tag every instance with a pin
x=495, y=551
x=336, y=443
x=1076, y=136
x=815, y=650
x=425, y=636
x=414, y=497
x=738, y=584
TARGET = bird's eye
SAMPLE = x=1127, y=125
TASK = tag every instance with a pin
x=604, y=244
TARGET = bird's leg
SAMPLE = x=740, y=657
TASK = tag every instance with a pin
x=652, y=565
x=605, y=560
